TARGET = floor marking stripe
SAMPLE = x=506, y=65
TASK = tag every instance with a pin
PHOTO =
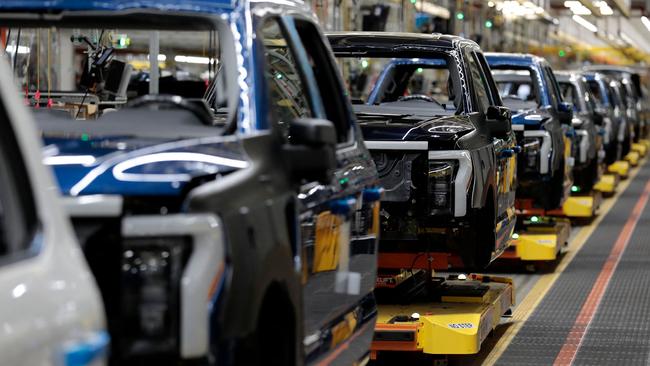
x=590, y=306
x=536, y=294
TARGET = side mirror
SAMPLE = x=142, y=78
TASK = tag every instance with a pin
x=311, y=150
x=565, y=111
x=599, y=117
x=499, y=120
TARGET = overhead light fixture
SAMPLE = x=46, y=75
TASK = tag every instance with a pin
x=604, y=8
x=627, y=39
x=585, y=23
x=21, y=49
x=514, y=9
x=646, y=22
x=577, y=8
x=161, y=58
x=192, y=59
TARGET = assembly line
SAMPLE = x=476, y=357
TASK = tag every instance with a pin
x=211, y=182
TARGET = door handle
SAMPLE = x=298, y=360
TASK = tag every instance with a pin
x=372, y=194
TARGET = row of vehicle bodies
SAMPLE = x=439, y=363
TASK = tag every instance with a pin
x=633, y=95
x=241, y=227
x=237, y=229
x=427, y=105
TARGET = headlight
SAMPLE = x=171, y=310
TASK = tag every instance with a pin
x=531, y=148
x=151, y=272
x=441, y=183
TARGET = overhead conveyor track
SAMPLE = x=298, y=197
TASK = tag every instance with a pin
x=597, y=310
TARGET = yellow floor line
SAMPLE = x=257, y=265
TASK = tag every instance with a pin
x=546, y=281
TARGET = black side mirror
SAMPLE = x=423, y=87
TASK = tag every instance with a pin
x=311, y=151
x=565, y=111
x=599, y=117
x=499, y=120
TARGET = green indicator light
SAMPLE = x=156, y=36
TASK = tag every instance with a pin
x=561, y=53
x=84, y=137
x=419, y=70
x=364, y=64
x=534, y=219
x=515, y=236
x=278, y=76
x=460, y=16
x=344, y=180
x=488, y=24
x=575, y=189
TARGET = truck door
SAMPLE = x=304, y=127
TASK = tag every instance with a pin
x=337, y=220
x=504, y=149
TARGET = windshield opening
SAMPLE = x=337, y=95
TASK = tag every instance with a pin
x=83, y=73
x=597, y=93
x=430, y=84
x=570, y=94
x=517, y=88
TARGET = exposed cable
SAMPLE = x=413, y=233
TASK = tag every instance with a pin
x=16, y=51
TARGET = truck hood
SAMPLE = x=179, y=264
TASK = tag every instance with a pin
x=136, y=166
x=440, y=131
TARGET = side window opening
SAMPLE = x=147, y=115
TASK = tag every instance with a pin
x=18, y=219
x=286, y=91
x=327, y=79
x=479, y=83
x=570, y=94
x=553, y=86
x=489, y=81
x=596, y=93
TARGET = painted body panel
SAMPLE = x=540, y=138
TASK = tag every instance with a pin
x=49, y=298
x=244, y=183
x=492, y=174
x=588, y=147
x=553, y=166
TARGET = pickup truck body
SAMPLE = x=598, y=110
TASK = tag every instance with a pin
x=541, y=121
x=588, y=125
x=241, y=233
x=449, y=175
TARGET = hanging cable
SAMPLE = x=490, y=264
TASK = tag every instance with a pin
x=16, y=50
x=49, y=68
x=8, y=38
x=37, y=94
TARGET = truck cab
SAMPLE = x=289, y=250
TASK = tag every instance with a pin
x=633, y=94
x=588, y=125
x=542, y=123
x=231, y=222
x=441, y=139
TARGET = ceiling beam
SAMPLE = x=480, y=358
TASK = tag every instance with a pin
x=590, y=5
x=622, y=6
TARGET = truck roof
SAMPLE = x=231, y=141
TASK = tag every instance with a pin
x=384, y=41
x=515, y=59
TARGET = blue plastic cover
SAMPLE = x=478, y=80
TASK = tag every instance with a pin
x=86, y=352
